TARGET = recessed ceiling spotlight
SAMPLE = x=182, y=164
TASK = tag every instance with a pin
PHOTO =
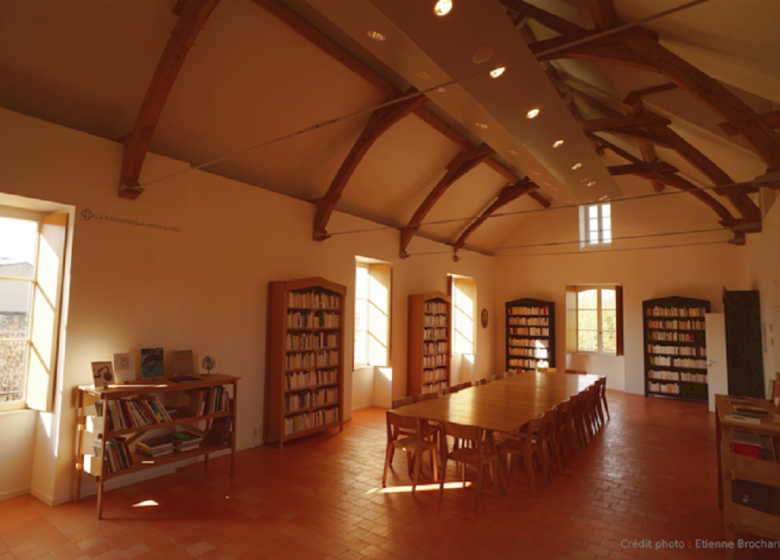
x=511, y=152
x=533, y=113
x=547, y=183
x=497, y=72
x=586, y=179
x=557, y=144
x=422, y=74
x=481, y=125
x=534, y=172
x=576, y=166
x=605, y=197
x=590, y=183
x=482, y=54
x=440, y=90
x=376, y=35
x=442, y=7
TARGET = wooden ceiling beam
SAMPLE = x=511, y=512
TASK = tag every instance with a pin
x=633, y=100
x=772, y=118
x=194, y=14
x=593, y=52
x=548, y=19
x=588, y=100
x=642, y=167
x=754, y=129
x=507, y=195
x=379, y=122
x=457, y=168
x=602, y=12
x=611, y=123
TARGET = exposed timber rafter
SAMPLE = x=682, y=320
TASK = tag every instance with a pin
x=457, y=168
x=602, y=12
x=772, y=118
x=643, y=167
x=193, y=15
x=505, y=196
x=379, y=122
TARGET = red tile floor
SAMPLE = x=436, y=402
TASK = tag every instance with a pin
x=649, y=475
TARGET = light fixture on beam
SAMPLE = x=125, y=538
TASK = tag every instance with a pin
x=764, y=180
x=442, y=7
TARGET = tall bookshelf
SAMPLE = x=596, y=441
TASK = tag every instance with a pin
x=112, y=422
x=675, y=347
x=304, y=378
x=428, y=367
x=530, y=334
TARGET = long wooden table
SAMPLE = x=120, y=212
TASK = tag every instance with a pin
x=503, y=405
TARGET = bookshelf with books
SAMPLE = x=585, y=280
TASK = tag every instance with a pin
x=675, y=347
x=127, y=428
x=530, y=334
x=304, y=390
x=428, y=362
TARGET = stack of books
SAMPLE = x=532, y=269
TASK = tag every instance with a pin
x=185, y=441
x=154, y=447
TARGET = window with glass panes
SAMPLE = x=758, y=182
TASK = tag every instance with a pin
x=372, y=312
x=598, y=224
x=597, y=320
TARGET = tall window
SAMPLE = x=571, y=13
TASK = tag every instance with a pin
x=463, y=291
x=32, y=249
x=594, y=319
x=372, y=312
x=596, y=225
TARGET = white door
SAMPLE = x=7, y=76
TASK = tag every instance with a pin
x=717, y=368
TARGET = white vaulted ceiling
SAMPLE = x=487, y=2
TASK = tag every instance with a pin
x=252, y=80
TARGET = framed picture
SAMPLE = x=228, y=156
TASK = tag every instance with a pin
x=124, y=367
x=484, y=318
x=152, y=364
x=102, y=373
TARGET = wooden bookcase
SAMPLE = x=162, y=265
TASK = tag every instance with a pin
x=530, y=334
x=106, y=433
x=304, y=377
x=428, y=366
x=675, y=347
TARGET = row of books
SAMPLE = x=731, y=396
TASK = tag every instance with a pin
x=527, y=363
x=659, y=311
x=118, y=456
x=432, y=334
x=529, y=342
x=436, y=307
x=313, y=359
x=434, y=320
x=677, y=350
x=309, y=399
x=529, y=310
x=688, y=377
x=308, y=341
x=303, y=379
x=133, y=412
x=211, y=400
x=314, y=300
x=434, y=347
x=666, y=388
x=690, y=325
x=309, y=320
x=690, y=363
x=309, y=420
x=539, y=353
x=435, y=387
x=529, y=331
x=529, y=321
x=672, y=336
x=435, y=360
x=435, y=374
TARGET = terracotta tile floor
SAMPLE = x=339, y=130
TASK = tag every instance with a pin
x=649, y=474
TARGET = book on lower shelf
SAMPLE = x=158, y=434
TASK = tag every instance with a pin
x=155, y=446
x=219, y=432
x=185, y=440
x=118, y=456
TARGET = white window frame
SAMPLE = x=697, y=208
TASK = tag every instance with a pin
x=377, y=338
x=599, y=237
x=572, y=320
x=464, y=320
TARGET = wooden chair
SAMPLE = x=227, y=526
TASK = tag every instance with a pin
x=397, y=403
x=493, y=378
x=448, y=390
x=602, y=383
x=577, y=371
x=511, y=373
x=482, y=381
x=426, y=396
x=527, y=448
x=464, y=385
x=563, y=431
x=577, y=423
x=414, y=445
x=480, y=452
x=547, y=370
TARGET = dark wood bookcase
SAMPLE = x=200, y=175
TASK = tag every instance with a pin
x=428, y=362
x=304, y=377
x=530, y=334
x=675, y=347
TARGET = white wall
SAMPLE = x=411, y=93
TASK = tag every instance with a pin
x=16, y=460
x=186, y=266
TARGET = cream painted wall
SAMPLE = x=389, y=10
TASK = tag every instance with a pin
x=699, y=271
x=16, y=461
x=186, y=266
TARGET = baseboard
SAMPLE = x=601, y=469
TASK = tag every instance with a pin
x=365, y=406
x=14, y=493
x=45, y=498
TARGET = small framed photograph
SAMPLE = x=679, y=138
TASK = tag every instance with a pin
x=102, y=373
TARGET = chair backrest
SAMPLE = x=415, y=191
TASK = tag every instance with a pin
x=563, y=414
x=464, y=385
x=482, y=381
x=426, y=396
x=511, y=373
x=547, y=370
x=578, y=371
x=397, y=423
x=448, y=390
x=536, y=426
x=402, y=401
x=550, y=422
x=463, y=432
x=493, y=377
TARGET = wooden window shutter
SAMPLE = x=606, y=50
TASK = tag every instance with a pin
x=619, y=313
x=571, y=319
